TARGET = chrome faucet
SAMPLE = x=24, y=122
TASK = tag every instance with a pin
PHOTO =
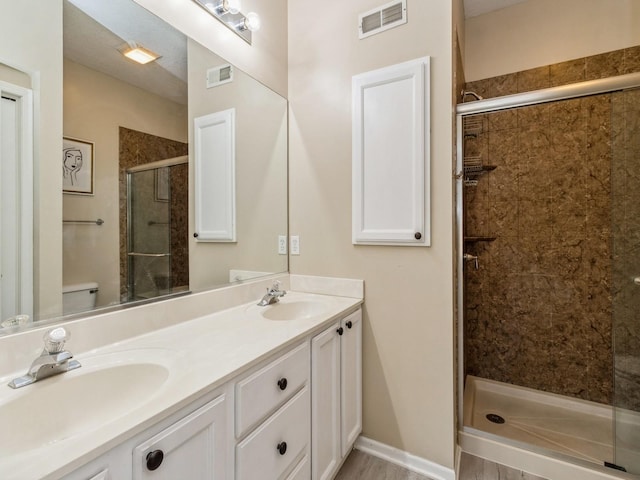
x=273, y=295
x=52, y=361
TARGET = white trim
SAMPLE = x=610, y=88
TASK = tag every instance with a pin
x=404, y=459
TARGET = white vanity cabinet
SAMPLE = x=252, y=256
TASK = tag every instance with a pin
x=336, y=400
x=293, y=416
x=273, y=419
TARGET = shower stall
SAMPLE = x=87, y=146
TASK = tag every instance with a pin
x=157, y=253
x=548, y=212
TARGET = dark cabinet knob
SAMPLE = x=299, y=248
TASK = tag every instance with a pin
x=282, y=383
x=340, y=331
x=282, y=448
x=418, y=236
x=154, y=459
x=195, y=235
x=349, y=324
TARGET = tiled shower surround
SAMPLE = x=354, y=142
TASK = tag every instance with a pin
x=553, y=224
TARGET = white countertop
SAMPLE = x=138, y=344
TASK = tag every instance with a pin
x=201, y=355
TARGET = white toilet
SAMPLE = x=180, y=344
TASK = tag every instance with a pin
x=79, y=297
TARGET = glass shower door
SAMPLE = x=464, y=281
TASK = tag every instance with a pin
x=149, y=233
x=625, y=181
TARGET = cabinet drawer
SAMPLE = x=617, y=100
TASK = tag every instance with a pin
x=263, y=453
x=267, y=389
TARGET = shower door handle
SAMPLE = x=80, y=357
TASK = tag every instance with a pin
x=137, y=254
x=472, y=258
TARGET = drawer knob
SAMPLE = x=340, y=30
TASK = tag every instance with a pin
x=340, y=331
x=282, y=448
x=349, y=324
x=282, y=383
x=154, y=459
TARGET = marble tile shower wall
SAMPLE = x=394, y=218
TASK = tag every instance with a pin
x=539, y=308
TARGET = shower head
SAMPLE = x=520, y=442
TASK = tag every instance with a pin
x=464, y=93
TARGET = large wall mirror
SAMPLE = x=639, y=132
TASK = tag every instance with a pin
x=118, y=225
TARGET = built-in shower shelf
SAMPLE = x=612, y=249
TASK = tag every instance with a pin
x=473, y=172
x=477, y=170
x=478, y=239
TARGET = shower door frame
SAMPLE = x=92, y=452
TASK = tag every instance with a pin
x=166, y=163
x=547, y=95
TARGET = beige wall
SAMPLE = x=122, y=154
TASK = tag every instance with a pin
x=37, y=51
x=95, y=105
x=261, y=173
x=543, y=32
x=265, y=59
x=408, y=326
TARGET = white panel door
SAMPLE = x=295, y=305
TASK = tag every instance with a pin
x=351, y=380
x=391, y=155
x=16, y=201
x=215, y=177
x=325, y=403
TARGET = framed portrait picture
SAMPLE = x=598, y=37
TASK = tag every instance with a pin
x=77, y=166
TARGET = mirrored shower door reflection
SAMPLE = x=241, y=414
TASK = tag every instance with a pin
x=157, y=254
x=625, y=182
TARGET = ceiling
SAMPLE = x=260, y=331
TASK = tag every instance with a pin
x=95, y=30
x=474, y=8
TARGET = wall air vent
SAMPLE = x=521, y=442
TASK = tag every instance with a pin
x=219, y=75
x=382, y=18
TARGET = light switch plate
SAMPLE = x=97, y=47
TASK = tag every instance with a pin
x=282, y=244
x=295, y=245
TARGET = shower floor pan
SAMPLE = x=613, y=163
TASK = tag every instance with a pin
x=569, y=426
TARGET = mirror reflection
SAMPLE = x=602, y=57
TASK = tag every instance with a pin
x=127, y=217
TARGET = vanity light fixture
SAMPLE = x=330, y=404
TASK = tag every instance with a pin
x=138, y=53
x=251, y=22
x=228, y=12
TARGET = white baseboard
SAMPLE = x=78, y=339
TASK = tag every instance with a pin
x=404, y=459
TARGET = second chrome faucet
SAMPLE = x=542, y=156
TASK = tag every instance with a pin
x=273, y=295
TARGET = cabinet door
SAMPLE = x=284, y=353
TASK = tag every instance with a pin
x=193, y=448
x=325, y=403
x=351, y=380
x=391, y=155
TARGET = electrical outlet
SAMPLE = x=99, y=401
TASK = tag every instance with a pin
x=282, y=244
x=295, y=245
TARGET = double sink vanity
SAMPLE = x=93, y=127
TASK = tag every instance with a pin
x=206, y=386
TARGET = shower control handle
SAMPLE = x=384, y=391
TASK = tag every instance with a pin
x=636, y=280
x=472, y=258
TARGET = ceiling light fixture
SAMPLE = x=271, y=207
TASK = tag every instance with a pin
x=138, y=53
x=228, y=12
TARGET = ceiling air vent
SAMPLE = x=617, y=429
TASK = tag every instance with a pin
x=219, y=75
x=383, y=18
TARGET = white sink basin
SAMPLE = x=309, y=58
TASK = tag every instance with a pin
x=294, y=310
x=63, y=406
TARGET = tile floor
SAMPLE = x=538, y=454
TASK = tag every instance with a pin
x=361, y=466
